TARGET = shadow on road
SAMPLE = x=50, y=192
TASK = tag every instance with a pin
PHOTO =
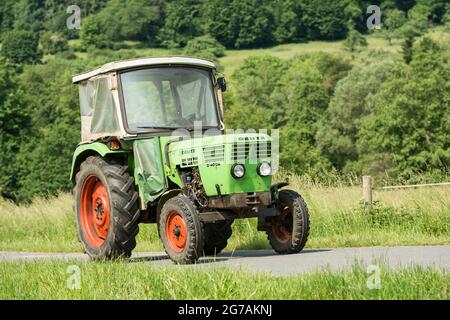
x=263, y=253
x=148, y=258
x=224, y=256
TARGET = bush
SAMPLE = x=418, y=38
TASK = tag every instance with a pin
x=204, y=46
x=21, y=47
x=53, y=43
x=355, y=41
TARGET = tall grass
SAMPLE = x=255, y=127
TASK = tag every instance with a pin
x=138, y=280
x=399, y=217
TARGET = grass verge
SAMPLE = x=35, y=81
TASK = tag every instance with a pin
x=48, y=280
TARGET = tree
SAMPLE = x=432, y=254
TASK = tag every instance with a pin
x=14, y=124
x=240, y=23
x=183, y=21
x=287, y=14
x=21, y=47
x=132, y=20
x=338, y=134
x=301, y=98
x=28, y=15
x=408, y=44
x=256, y=79
x=93, y=34
x=324, y=19
x=408, y=131
x=45, y=153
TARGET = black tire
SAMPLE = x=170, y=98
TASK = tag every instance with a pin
x=216, y=237
x=123, y=209
x=289, y=232
x=193, y=234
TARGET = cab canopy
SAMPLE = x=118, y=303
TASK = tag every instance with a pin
x=101, y=110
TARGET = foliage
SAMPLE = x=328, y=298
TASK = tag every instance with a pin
x=240, y=23
x=204, y=47
x=395, y=19
x=287, y=14
x=20, y=47
x=182, y=22
x=234, y=23
x=324, y=19
x=53, y=43
x=408, y=130
x=132, y=20
x=93, y=34
x=355, y=41
x=339, y=132
x=14, y=122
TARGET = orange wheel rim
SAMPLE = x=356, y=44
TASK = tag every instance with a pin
x=94, y=211
x=176, y=231
x=282, y=226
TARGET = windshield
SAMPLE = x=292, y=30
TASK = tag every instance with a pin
x=169, y=98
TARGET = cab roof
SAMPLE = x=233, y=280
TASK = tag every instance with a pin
x=142, y=62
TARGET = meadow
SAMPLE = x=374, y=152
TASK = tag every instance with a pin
x=338, y=219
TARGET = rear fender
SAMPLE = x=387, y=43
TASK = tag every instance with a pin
x=92, y=149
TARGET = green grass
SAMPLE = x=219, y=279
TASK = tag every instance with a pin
x=139, y=280
x=401, y=217
x=234, y=58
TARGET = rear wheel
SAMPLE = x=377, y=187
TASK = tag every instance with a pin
x=106, y=209
x=181, y=230
x=216, y=237
x=289, y=231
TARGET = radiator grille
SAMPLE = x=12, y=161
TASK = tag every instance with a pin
x=251, y=150
x=213, y=154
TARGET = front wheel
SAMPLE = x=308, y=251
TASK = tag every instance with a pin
x=181, y=230
x=289, y=231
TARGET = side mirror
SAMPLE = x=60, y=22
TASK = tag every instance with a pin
x=222, y=84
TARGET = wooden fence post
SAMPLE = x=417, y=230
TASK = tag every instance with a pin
x=367, y=191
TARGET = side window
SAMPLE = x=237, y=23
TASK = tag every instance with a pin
x=104, y=117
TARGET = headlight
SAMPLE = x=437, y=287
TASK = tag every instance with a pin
x=264, y=169
x=238, y=171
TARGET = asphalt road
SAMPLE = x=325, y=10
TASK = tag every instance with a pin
x=309, y=260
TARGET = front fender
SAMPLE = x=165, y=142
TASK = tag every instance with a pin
x=85, y=150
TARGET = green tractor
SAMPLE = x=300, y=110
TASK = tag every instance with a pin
x=153, y=150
